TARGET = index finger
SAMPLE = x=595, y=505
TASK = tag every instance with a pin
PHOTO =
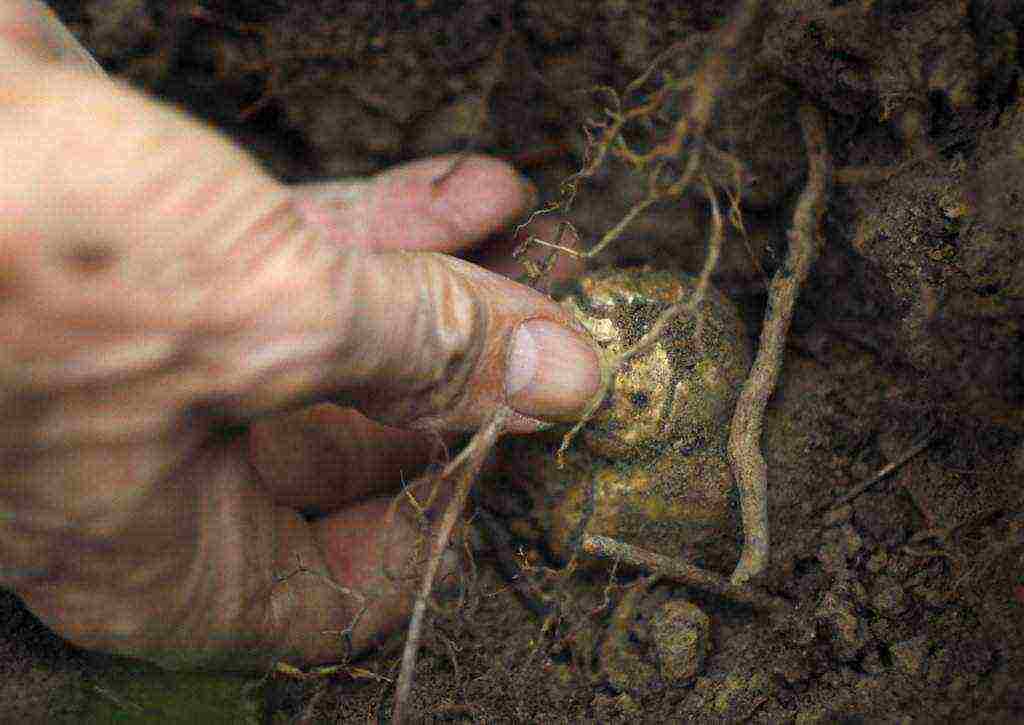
x=405, y=208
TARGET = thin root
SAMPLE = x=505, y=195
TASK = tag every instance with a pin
x=678, y=571
x=467, y=464
x=924, y=440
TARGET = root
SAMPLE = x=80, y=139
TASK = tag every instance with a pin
x=923, y=441
x=684, y=146
x=498, y=539
x=466, y=465
x=672, y=569
x=345, y=635
x=689, y=306
x=748, y=464
x=693, y=303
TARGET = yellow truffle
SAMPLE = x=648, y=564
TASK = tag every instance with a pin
x=650, y=466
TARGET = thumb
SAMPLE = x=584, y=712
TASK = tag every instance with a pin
x=430, y=341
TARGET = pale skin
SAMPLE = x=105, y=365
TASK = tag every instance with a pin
x=162, y=297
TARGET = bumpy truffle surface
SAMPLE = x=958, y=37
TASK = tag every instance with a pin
x=651, y=463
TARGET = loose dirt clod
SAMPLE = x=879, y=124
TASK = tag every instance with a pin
x=682, y=638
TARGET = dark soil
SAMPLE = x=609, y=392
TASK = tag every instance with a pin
x=909, y=601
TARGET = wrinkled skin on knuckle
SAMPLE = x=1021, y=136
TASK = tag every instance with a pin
x=444, y=365
x=439, y=347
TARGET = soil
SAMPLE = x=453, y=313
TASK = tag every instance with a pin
x=907, y=603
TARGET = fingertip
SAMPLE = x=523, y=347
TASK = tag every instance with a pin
x=478, y=194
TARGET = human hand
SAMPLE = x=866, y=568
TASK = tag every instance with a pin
x=158, y=294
